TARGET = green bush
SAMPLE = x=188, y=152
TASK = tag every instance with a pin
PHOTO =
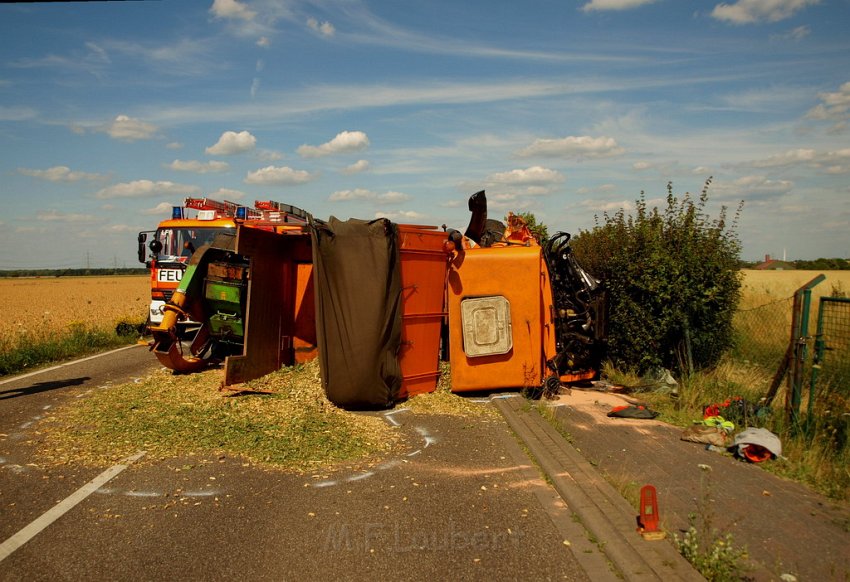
x=672, y=279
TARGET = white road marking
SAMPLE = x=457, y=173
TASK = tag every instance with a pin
x=22, y=376
x=61, y=508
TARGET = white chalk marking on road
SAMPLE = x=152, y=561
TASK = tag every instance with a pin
x=388, y=416
x=37, y=372
x=207, y=493
x=61, y=508
x=429, y=440
x=361, y=476
x=138, y=493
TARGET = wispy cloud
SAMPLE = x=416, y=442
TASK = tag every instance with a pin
x=753, y=11
x=61, y=174
x=364, y=194
x=834, y=106
x=614, y=4
x=345, y=141
x=146, y=189
x=279, y=175
x=198, y=167
x=356, y=168
x=231, y=9
x=325, y=28
x=71, y=217
x=125, y=128
x=533, y=176
x=583, y=146
x=401, y=215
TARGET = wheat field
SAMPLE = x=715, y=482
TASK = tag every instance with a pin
x=760, y=287
x=35, y=306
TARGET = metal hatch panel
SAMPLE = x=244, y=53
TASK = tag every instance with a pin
x=486, y=326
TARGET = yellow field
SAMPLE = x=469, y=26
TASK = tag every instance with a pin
x=53, y=304
x=760, y=287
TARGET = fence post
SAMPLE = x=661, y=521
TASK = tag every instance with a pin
x=800, y=342
x=817, y=357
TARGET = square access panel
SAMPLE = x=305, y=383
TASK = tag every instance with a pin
x=486, y=326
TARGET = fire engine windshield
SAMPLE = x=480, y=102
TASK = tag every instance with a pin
x=182, y=242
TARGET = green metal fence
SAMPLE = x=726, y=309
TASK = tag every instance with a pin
x=830, y=377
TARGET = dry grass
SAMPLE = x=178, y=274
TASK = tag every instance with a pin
x=52, y=304
x=760, y=287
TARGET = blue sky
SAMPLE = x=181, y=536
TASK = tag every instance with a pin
x=110, y=112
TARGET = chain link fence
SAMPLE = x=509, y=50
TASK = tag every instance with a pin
x=762, y=333
x=831, y=361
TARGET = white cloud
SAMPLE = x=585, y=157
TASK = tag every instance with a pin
x=400, y=215
x=345, y=141
x=264, y=42
x=231, y=9
x=834, y=106
x=60, y=174
x=390, y=197
x=146, y=188
x=127, y=128
x=641, y=166
x=751, y=188
x=161, y=209
x=535, y=175
x=269, y=156
x=175, y=145
x=614, y=4
x=56, y=216
x=278, y=175
x=834, y=162
x=356, y=167
x=795, y=34
x=601, y=206
x=752, y=11
x=255, y=86
x=789, y=158
x=119, y=228
x=573, y=147
x=231, y=143
x=324, y=28
x=210, y=167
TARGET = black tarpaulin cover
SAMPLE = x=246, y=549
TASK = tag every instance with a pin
x=357, y=276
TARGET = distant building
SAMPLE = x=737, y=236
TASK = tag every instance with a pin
x=773, y=265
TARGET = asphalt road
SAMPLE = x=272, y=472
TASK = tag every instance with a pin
x=462, y=500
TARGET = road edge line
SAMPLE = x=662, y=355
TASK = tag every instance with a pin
x=63, y=364
x=61, y=508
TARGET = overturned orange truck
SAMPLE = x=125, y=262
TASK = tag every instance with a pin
x=380, y=303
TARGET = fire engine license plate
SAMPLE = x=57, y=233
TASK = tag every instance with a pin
x=169, y=275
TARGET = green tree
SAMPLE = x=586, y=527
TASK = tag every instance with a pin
x=673, y=281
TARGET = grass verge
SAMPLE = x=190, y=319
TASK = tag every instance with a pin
x=293, y=426
x=23, y=351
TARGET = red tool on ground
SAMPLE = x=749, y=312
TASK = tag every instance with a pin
x=648, y=518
